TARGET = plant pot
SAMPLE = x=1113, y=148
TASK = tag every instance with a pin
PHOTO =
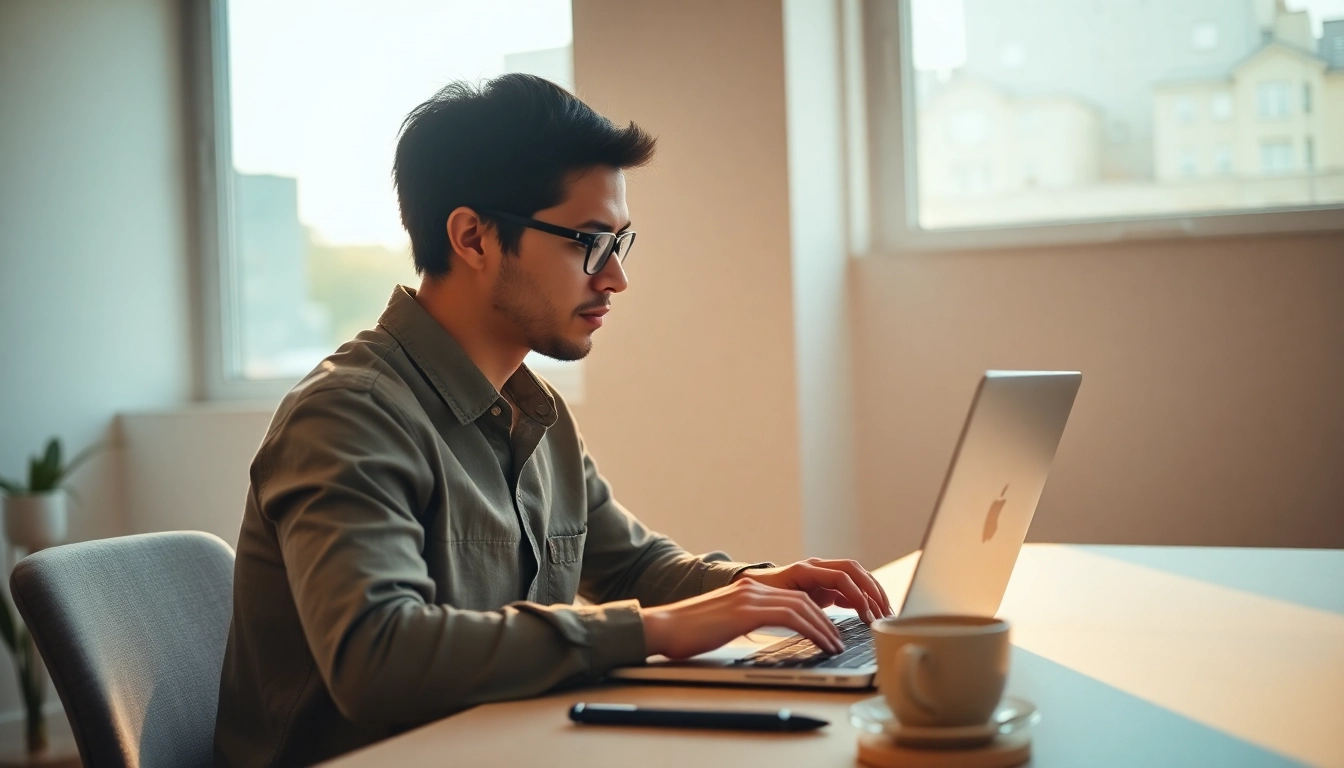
x=36, y=521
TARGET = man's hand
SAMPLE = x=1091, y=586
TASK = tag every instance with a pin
x=789, y=596
x=828, y=582
x=707, y=621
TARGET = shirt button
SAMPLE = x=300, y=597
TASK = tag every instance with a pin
x=542, y=410
x=495, y=411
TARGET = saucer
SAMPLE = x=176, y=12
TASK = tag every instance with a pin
x=874, y=716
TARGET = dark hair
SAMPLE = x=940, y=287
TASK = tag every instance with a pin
x=510, y=145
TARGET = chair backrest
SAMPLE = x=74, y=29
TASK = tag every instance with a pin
x=133, y=631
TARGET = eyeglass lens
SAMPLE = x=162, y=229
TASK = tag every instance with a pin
x=607, y=244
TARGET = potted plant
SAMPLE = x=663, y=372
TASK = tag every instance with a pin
x=35, y=517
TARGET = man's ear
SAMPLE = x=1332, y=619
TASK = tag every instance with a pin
x=466, y=237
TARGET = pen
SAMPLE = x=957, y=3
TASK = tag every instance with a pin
x=629, y=714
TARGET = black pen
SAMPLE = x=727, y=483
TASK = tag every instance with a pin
x=629, y=714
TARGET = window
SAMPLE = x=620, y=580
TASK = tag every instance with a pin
x=1187, y=163
x=308, y=97
x=1276, y=156
x=1309, y=154
x=963, y=95
x=1272, y=99
x=1204, y=36
x=1306, y=98
x=1185, y=110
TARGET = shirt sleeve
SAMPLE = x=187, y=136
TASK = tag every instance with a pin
x=622, y=559
x=344, y=479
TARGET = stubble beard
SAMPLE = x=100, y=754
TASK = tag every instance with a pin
x=521, y=301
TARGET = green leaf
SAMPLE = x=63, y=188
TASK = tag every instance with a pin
x=37, y=476
x=13, y=487
x=43, y=479
x=64, y=473
x=53, y=457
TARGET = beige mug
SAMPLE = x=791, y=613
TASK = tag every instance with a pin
x=942, y=671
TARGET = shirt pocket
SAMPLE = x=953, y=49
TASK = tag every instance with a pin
x=566, y=556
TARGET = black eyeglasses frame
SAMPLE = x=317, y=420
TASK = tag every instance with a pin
x=621, y=242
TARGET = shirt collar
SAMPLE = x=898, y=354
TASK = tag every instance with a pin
x=446, y=365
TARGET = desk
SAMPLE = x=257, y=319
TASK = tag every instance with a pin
x=1135, y=656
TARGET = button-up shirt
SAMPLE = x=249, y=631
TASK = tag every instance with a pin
x=412, y=545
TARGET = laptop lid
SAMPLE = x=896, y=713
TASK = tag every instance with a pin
x=989, y=495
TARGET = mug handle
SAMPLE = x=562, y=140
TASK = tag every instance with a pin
x=912, y=658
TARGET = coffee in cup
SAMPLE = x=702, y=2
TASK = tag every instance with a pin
x=942, y=671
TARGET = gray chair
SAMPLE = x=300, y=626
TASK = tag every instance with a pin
x=133, y=631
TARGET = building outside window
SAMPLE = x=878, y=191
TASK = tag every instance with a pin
x=1188, y=164
x=1185, y=110
x=1116, y=134
x=1272, y=99
x=1276, y=156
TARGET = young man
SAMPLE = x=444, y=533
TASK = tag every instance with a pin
x=423, y=511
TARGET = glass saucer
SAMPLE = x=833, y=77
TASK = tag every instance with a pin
x=874, y=716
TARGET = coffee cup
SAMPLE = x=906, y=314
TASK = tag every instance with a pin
x=942, y=671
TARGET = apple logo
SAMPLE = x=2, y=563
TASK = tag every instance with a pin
x=992, y=519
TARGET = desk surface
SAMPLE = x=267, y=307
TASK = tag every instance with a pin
x=1135, y=656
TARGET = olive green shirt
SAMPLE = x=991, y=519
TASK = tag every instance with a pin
x=412, y=545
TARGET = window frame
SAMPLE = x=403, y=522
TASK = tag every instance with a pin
x=217, y=320
x=891, y=191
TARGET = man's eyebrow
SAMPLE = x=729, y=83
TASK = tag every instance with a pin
x=602, y=226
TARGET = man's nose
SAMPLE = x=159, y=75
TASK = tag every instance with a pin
x=612, y=278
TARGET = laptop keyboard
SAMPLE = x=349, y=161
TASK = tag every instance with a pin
x=798, y=651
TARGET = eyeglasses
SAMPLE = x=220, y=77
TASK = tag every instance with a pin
x=601, y=245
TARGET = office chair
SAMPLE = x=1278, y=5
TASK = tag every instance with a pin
x=133, y=631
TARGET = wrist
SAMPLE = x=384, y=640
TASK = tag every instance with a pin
x=655, y=625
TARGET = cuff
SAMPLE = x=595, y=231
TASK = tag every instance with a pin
x=615, y=635
x=721, y=574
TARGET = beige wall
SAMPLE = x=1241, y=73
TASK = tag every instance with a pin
x=690, y=406
x=1210, y=410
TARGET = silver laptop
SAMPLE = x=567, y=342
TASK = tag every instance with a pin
x=987, y=501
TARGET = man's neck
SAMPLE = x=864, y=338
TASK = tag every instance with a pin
x=459, y=310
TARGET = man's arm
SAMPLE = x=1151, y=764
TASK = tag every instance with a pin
x=343, y=479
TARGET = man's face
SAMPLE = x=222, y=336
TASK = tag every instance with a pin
x=542, y=293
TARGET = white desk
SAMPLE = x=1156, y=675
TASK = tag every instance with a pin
x=1135, y=656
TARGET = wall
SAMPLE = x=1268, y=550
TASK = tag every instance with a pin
x=691, y=406
x=1210, y=411
x=93, y=281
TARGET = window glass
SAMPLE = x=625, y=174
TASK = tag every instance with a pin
x=1059, y=111
x=317, y=93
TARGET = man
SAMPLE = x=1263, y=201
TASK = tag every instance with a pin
x=423, y=512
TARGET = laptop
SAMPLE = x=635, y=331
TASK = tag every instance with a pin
x=979, y=522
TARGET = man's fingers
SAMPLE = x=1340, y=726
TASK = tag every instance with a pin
x=802, y=604
x=870, y=586
x=840, y=581
x=802, y=623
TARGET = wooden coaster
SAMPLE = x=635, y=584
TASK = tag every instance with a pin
x=880, y=751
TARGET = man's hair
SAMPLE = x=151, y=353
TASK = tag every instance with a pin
x=510, y=145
